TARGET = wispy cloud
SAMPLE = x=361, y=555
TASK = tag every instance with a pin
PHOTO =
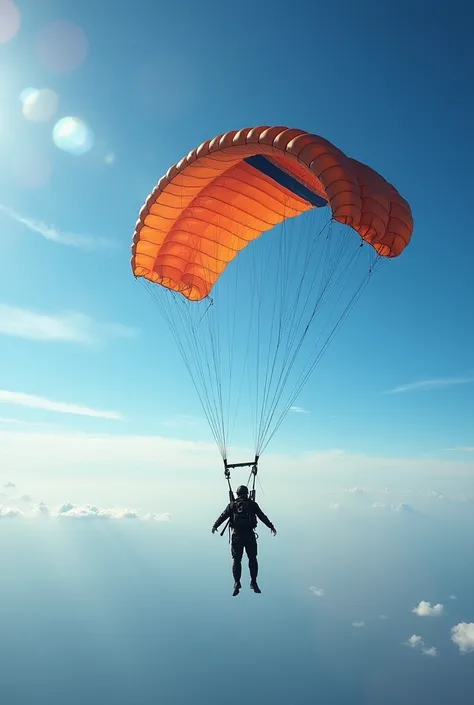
x=53, y=234
x=426, y=609
x=317, y=592
x=431, y=384
x=434, y=494
x=65, y=327
x=463, y=636
x=358, y=625
x=401, y=507
x=463, y=449
x=355, y=491
x=404, y=508
x=298, y=410
x=36, y=402
x=25, y=424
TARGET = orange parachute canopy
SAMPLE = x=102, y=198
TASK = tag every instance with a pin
x=231, y=189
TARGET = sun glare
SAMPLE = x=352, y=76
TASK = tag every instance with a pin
x=72, y=135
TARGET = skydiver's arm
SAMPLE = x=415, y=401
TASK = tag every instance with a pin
x=263, y=517
x=225, y=515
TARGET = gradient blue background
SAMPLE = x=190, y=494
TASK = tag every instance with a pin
x=109, y=610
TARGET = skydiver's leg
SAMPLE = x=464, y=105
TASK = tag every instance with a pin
x=251, y=550
x=237, y=551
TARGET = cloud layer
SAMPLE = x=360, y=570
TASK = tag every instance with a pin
x=67, y=510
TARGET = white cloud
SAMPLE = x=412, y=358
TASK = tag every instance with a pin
x=383, y=616
x=42, y=509
x=404, y=508
x=431, y=384
x=335, y=506
x=70, y=326
x=152, y=516
x=355, y=490
x=68, y=510
x=436, y=495
x=35, y=402
x=453, y=597
x=9, y=484
x=415, y=640
x=53, y=234
x=401, y=508
x=426, y=609
x=358, y=624
x=90, y=511
x=298, y=410
x=463, y=636
x=317, y=592
x=10, y=512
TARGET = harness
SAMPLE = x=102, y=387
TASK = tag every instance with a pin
x=253, y=476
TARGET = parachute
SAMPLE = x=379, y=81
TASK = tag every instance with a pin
x=251, y=279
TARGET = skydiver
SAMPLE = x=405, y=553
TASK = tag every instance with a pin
x=242, y=514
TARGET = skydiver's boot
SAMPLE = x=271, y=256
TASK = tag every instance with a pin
x=254, y=586
x=237, y=586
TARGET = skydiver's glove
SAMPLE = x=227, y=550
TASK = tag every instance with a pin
x=214, y=529
x=274, y=531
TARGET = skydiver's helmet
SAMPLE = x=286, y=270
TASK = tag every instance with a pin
x=242, y=491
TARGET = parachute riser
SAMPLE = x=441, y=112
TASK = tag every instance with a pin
x=253, y=474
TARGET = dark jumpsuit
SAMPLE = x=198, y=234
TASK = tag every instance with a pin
x=241, y=540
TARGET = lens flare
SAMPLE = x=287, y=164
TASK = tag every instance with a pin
x=10, y=20
x=62, y=46
x=39, y=105
x=72, y=135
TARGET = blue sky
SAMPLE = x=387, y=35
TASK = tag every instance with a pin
x=96, y=408
x=401, y=113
